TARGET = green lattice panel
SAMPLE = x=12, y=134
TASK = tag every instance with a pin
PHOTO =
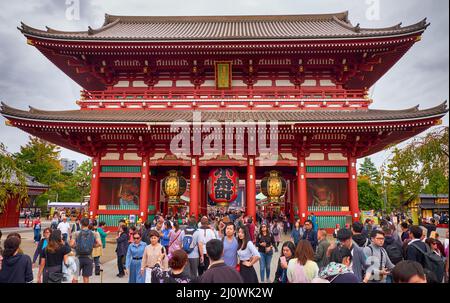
x=111, y=220
x=122, y=207
x=330, y=221
x=326, y=169
x=121, y=169
x=324, y=208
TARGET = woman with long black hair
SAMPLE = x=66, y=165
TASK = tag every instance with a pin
x=265, y=243
x=248, y=255
x=287, y=253
x=52, y=258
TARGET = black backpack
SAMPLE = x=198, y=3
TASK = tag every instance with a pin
x=432, y=262
x=394, y=253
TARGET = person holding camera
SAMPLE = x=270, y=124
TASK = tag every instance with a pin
x=378, y=259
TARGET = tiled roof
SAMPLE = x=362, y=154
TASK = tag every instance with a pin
x=264, y=27
x=29, y=180
x=167, y=116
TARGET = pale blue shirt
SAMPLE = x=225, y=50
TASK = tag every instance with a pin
x=248, y=252
x=230, y=251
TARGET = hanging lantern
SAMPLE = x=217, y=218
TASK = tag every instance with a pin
x=174, y=185
x=223, y=185
x=273, y=187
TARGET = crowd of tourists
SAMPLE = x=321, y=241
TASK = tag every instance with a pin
x=64, y=252
x=224, y=247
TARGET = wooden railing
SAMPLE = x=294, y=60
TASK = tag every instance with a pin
x=234, y=94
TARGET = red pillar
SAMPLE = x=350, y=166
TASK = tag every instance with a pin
x=353, y=189
x=251, y=188
x=203, y=198
x=157, y=194
x=194, y=187
x=95, y=187
x=301, y=189
x=291, y=201
x=145, y=186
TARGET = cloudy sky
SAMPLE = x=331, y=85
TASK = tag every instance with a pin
x=27, y=78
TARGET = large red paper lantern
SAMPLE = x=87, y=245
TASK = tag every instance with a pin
x=223, y=185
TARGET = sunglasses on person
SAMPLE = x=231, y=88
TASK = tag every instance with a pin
x=136, y=238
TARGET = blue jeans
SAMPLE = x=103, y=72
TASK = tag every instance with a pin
x=37, y=235
x=264, y=265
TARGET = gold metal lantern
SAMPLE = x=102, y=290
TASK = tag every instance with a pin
x=174, y=185
x=273, y=186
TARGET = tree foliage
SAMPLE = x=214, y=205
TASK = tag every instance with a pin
x=368, y=195
x=369, y=170
x=420, y=167
x=41, y=159
x=12, y=179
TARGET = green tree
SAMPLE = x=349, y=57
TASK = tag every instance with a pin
x=41, y=160
x=369, y=170
x=422, y=166
x=403, y=178
x=433, y=155
x=82, y=177
x=12, y=179
x=368, y=195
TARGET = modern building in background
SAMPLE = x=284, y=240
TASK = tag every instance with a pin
x=311, y=73
x=69, y=166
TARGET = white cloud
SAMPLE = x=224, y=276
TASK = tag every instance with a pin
x=28, y=78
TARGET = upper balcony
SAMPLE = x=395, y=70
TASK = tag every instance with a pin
x=182, y=98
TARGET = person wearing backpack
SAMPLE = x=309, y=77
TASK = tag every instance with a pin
x=412, y=252
x=189, y=242
x=358, y=237
x=392, y=247
x=420, y=252
x=377, y=258
x=83, y=242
